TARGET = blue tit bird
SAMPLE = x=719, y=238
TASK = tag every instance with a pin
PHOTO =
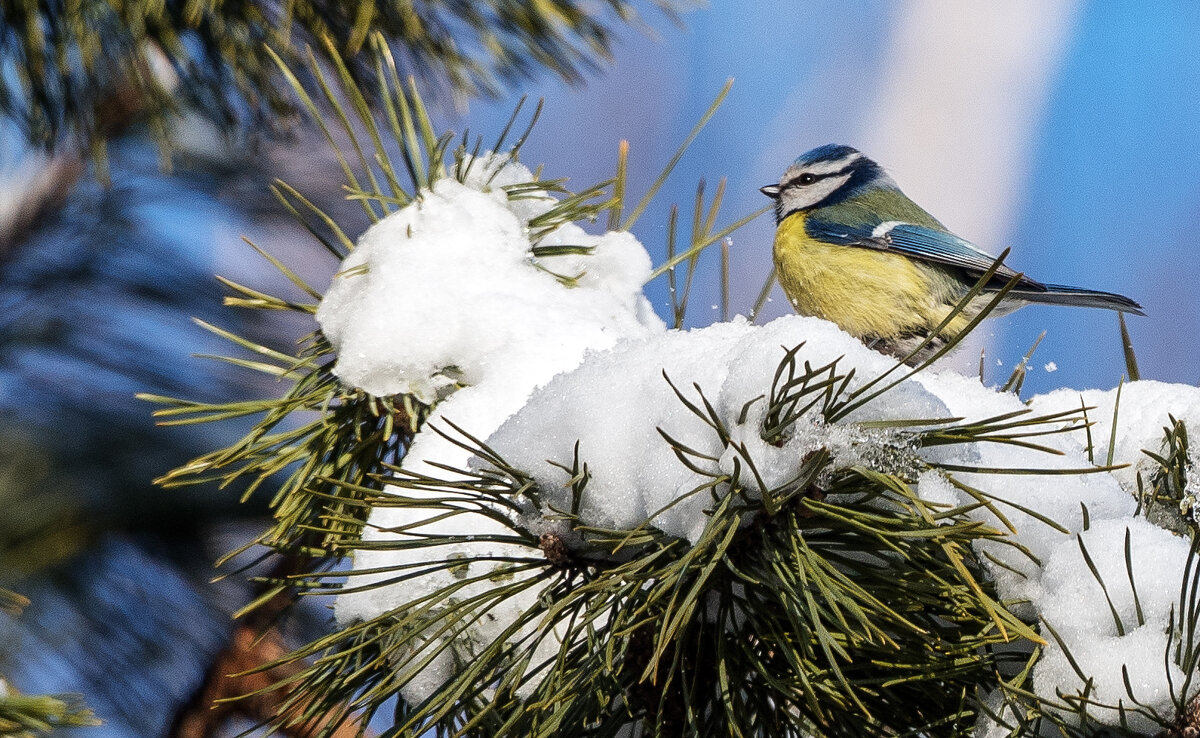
x=851, y=248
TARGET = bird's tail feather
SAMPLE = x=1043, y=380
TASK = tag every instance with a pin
x=1059, y=294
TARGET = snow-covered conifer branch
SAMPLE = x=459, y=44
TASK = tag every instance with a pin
x=558, y=517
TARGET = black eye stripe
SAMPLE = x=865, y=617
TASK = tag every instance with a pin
x=795, y=181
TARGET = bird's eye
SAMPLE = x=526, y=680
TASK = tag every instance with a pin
x=807, y=178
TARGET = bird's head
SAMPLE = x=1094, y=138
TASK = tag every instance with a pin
x=824, y=176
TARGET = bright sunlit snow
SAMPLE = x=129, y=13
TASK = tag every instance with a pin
x=444, y=300
x=445, y=293
x=616, y=403
x=1142, y=416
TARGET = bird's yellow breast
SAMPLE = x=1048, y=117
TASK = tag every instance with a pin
x=869, y=293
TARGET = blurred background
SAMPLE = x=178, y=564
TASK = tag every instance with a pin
x=1065, y=130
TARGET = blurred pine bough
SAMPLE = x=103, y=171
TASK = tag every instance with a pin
x=82, y=70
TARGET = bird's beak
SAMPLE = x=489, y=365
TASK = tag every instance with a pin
x=771, y=191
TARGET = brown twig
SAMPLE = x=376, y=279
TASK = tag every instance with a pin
x=237, y=685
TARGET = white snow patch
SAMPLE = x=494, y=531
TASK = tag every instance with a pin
x=450, y=297
x=935, y=487
x=1142, y=417
x=617, y=402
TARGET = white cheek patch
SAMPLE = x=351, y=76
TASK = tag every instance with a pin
x=798, y=196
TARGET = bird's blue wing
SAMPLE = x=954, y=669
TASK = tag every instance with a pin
x=943, y=247
x=916, y=242
x=840, y=233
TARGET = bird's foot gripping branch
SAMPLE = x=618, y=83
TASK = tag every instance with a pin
x=559, y=517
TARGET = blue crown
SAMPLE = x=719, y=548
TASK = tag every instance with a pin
x=828, y=152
